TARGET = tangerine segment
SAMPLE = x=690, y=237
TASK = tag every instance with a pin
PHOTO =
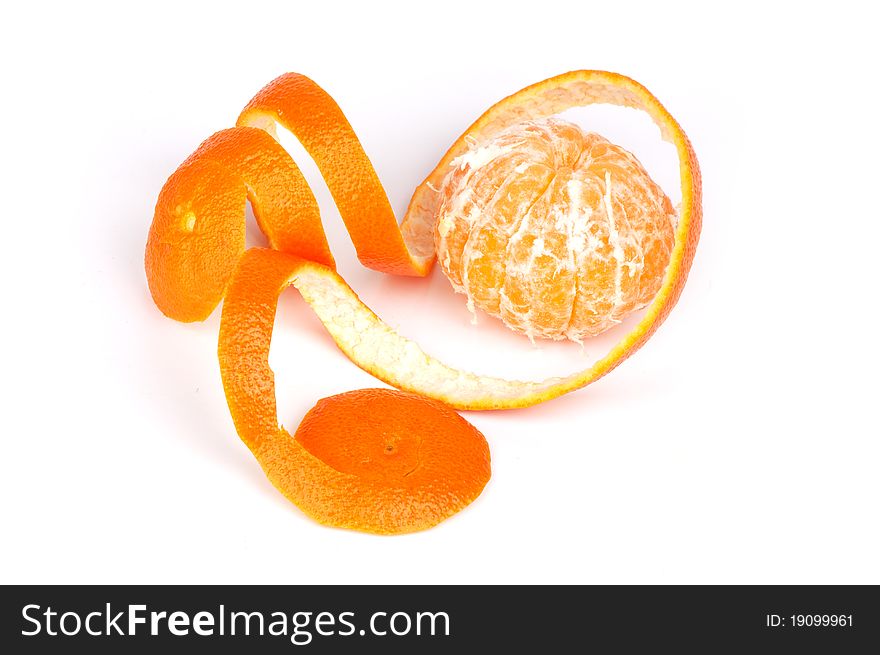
x=559, y=233
x=376, y=460
x=304, y=108
x=198, y=229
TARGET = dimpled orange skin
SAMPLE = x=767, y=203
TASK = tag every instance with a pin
x=198, y=229
x=376, y=460
x=313, y=116
x=416, y=460
x=558, y=233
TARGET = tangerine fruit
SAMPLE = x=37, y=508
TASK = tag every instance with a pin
x=557, y=232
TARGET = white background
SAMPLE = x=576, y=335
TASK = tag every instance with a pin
x=740, y=445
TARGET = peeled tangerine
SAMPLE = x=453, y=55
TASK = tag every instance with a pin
x=558, y=232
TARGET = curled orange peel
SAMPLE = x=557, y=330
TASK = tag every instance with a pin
x=197, y=239
x=375, y=460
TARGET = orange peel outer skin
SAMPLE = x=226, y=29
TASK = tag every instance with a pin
x=311, y=114
x=376, y=460
x=198, y=230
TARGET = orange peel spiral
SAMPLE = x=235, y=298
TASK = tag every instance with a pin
x=376, y=460
x=195, y=256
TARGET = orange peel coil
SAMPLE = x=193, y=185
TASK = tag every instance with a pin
x=375, y=460
x=195, y=257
